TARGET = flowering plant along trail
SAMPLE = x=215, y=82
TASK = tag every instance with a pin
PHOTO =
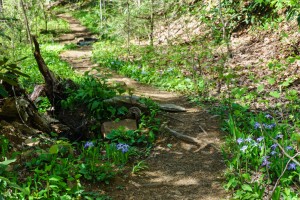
x=176, y=168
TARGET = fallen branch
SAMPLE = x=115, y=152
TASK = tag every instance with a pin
x=184, y=138
x=187, y=139
x=203, y=130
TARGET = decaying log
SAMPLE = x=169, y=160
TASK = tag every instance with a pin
x=53, y=87
x=37, y=92
x=22, y=110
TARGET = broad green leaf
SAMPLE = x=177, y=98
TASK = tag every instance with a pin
x=7, y=161
x=54, y=149
x=247, y=187
x=271, y=81
x=12, y=184
x=275, y=94
x=260, y=88
x=3, y=92
x=2, y=62
x=8, y=80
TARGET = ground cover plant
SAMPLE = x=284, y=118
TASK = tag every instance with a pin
x=260, y=110
x=258, y=103
x=51, y=166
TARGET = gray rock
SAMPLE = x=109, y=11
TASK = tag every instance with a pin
x=171, y=108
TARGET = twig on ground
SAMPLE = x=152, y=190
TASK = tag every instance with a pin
x=200, y=143
x=203, y=130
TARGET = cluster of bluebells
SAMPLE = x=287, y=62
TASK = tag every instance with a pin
x=247, y=142
x=265, y=126
x=123, y=147
x=88, y=144
x=266, y=162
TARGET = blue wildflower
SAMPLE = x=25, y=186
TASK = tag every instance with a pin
x=289, y=148
x=88, y=144
x=265, y=161
x=239, y=140
x=244, y=148
x=268, y=116
x=143, y=72
x=273, y=153
x=254, y=144
x=274, y=146
x=292, y=166
x=257, y=125
x=249, y=139
x=170, y=69
x=259, y=139
x=123, y=147
x=279, y=136
x=269, y=126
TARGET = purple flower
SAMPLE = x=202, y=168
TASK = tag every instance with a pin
x=257, y=125
x=274, y=146
x=249, y=139
x=239, y=140
x=254, y=144
x=268, y=116
x=88, y=144
x=143, y=72
x=269, y=126
x=259, y=139
x=170, y=69
x=244, y=148
x=273, y=153
x=123, y=147
x=279, y=136
x=292, y=166
x=265, y=161
x=289, y=148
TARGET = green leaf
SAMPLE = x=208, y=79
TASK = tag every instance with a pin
x=54, y=149
x=271, y=81
x=2, y=62
x=275, y=94
x=260, y=88
x=7, y=162
x=8, y=80
x=3, y=92
x=247, y=187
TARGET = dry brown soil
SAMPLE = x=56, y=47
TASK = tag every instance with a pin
x=176, y=170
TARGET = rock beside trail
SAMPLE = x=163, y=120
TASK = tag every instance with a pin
x=171, y=108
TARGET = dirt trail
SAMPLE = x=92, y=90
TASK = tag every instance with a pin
x=176, y=170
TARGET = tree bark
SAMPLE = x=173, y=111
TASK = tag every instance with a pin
x=53, y=88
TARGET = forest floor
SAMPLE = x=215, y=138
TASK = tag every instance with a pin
x=176, y=169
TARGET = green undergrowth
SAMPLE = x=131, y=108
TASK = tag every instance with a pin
x=54, y=167
x=168, y=71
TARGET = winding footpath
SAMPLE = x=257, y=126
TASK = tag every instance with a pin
x=176, y=170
